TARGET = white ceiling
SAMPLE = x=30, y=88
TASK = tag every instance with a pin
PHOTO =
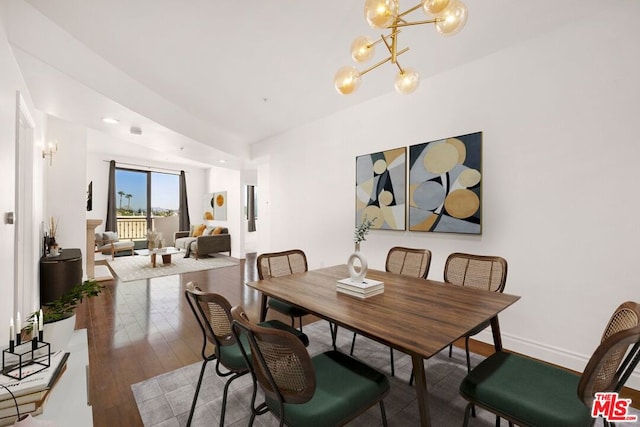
x=205, y=79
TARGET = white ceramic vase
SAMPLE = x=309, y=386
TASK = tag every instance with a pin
x=357, y=275
x=58, y=334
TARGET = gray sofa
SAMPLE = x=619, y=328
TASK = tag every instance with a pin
x=205, y=244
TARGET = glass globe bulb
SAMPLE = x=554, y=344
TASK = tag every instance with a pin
x=362, y=49
x=452, y=21
x=380, y=13
x=407, y=81
x=436, y=8
x=347, y=80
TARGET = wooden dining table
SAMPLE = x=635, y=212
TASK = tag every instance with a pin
x=416, y=316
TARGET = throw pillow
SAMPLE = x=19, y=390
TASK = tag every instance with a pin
x=199, y=230
x=207, y=231
x=110, y=235
x=218, y=230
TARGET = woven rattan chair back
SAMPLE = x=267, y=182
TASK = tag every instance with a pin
x=280, y=362
x=478, y=271
x=277, y=264
x=408, y=262
x=213, y=313
x=608, y=369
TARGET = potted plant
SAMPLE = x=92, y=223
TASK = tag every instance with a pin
x=154, y=239
x=359, y=236
x=59, y=315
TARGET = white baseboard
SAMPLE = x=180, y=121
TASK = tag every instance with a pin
x=551, y=354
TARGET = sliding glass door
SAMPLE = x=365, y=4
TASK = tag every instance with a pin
x=146, y=200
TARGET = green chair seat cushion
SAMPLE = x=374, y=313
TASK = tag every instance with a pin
x=345, y=387
x=231, y=355
x=527, y=391
x=286, y=308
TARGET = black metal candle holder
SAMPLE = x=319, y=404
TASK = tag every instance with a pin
x=26, y=359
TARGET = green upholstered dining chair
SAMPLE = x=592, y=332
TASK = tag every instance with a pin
x=529, y=392
x=477, y=271
x=406, y=262
x=277, y=264
x=213, y=313
x=328, y=389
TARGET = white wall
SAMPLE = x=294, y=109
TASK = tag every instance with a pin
x=560, y=155
x=65, y=188
x=11, y=81
x=221, y=179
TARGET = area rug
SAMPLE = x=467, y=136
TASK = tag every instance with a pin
x=165, y=400
x=139, y=266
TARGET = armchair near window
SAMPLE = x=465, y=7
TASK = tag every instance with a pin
x=108, y=243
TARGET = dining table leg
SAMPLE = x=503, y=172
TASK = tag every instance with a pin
x=421, y=389
x=495, y=330
x=263, y=308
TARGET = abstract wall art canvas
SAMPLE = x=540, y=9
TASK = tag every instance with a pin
x=215, y=206
x=445, y=185
x=381, y=182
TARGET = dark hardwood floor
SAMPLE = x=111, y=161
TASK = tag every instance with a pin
x=137, y=330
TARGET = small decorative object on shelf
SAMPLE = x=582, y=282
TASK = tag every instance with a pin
x=359, y=236
x=23, y=360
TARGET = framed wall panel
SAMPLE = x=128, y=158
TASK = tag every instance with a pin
x=381, y=182
x=445, y=185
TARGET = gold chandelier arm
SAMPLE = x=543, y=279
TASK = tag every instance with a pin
x=408, y=11
x=393, y=47
x=407, y=24
x=376, y=65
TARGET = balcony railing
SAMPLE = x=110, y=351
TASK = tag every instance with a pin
x=132, y=227
x=135, y=227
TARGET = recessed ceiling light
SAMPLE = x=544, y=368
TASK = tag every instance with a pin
x=110, y=120
x=222, y=161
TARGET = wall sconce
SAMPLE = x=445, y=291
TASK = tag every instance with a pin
x=51, y=149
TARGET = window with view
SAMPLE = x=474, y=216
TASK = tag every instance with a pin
x=146, y=200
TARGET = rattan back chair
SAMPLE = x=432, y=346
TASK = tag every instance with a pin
x=554, y=396
x=278, y=264
x=408, y=261
x=213, y=313
x=405, y=262
x=477, y=271
x=606, y=370
x=328, y=389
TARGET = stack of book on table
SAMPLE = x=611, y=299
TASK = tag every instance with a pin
x=31, y=393
x=365, y=289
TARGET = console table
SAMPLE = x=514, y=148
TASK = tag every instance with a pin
x=58, y=274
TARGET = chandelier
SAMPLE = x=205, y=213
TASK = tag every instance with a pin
x=448, y=16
